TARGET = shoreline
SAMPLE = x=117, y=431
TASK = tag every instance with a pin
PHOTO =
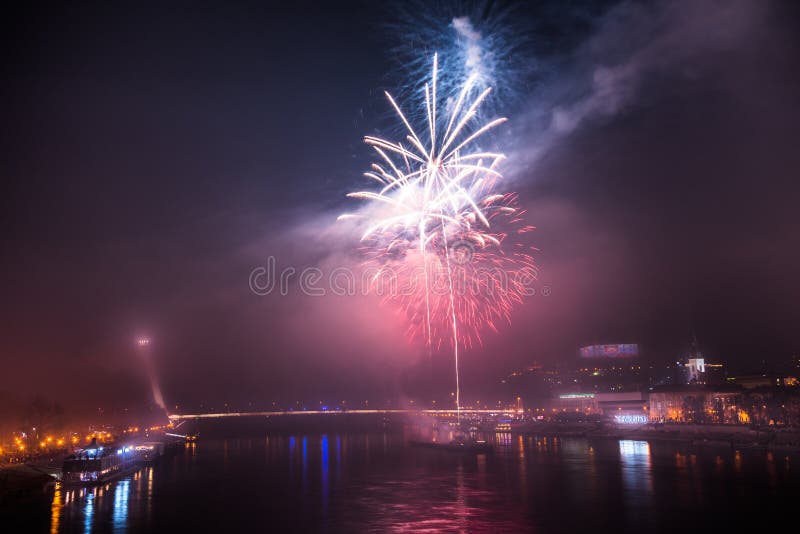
x=22, y=481
x=733, y=437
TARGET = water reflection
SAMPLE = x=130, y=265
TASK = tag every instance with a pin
x=88, y=512
x=461, y=511
x=771, y=471
x=680, y=462
x=530, y=484
x=149, y=508
x=523, y=468
x=324, y=473
x=120, y=517
x=502, y=439
x=482, y=470
x=635, y=458
x=55, y=510
x=338, y=458
x=139, y=480
x=305, y=464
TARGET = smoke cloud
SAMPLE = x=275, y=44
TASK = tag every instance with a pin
x=633, y=44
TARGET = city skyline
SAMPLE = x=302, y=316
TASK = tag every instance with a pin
x=430, y=266
x=662, y=202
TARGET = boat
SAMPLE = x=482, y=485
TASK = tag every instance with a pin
x=503, y=426
x=186, y=438
x=514, y=426
x=98, y=464
x=149, y=451
x=457, y=445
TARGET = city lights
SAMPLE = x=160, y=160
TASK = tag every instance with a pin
x=273, y=268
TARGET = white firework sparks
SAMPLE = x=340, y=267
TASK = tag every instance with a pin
x=436, y=190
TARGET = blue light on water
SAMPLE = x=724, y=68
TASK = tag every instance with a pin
x=305, y=464
x=324, y=446
x=292, y=443
x=120, y=517
x=324, y=473
x=88, y=512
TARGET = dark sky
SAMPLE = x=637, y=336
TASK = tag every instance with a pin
x=153, y=157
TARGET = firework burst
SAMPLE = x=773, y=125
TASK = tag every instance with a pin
x=481, y=38
x=443, y=243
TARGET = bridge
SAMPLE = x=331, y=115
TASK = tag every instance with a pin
x=434, y=413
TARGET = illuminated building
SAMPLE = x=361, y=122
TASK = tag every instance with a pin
x=695, y=365
x=695, y=371
x=576, y=402
x=773, y=405
x=756, y=381
x=631, y=403
x=607, y=404
x=696, y=404
x=616, y=351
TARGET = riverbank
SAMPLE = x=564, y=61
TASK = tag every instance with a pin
x=22, y=481
x=782, y=439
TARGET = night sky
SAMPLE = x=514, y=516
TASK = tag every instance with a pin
x=154, y=156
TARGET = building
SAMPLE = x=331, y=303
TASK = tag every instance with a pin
x=627, y=403
x=576, y=402
x=756, y=381
x=697, y=404
x=609, y=405
x=604, y=352
x=695, y=365
x=774, y=405
x=715, y=373
x=695, y=371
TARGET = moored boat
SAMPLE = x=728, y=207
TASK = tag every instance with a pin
x=98, y=464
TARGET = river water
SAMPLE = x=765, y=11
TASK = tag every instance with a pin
x=374, y=482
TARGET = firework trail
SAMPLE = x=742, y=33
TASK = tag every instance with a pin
x=481, y=38
x=443, y=244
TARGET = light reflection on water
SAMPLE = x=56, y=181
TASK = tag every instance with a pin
x=88, y=512
x=636, y=474
x=354, y=482
x=305, y=463
x=338, y=458
x=324, y=474
x=55, y=510
x=121, y=492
